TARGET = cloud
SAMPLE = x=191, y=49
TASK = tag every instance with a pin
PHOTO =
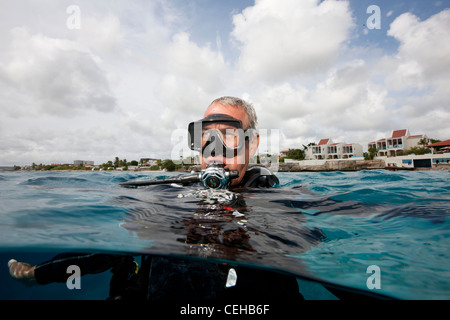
x=102, y=35
x=361, y=99
x=202, y=65
x=345, y=101
x=420, y=70
x=424, y=47
x=53, y=76
x=127, y=69
x=134, y=73
x=279, y=39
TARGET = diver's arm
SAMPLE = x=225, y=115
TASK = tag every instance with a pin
x=56, y=270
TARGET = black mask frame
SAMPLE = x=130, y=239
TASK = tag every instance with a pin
x=215, y=145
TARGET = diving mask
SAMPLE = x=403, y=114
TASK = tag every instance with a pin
x=218, y=134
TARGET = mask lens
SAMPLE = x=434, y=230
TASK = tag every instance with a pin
x=219, y=130
x=230, y=137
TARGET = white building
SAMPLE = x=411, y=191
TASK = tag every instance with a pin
x=283, y=153
x=83, y=163
x=148, y=162
x=327, y=149
x=397, y=144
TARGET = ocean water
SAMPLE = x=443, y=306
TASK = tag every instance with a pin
x=324, y=226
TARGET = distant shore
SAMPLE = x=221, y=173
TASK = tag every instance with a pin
x=353, y=165
x=327, y=166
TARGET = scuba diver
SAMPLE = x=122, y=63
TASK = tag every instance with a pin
x=226, y=138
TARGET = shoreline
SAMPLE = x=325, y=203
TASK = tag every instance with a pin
x=291, y=166
x=282, y=168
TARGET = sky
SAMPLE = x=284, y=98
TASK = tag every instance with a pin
x=95, y=80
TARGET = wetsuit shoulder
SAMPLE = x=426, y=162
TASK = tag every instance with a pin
x=259, y=177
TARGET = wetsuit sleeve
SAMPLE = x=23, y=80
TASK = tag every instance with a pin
x=55, y=270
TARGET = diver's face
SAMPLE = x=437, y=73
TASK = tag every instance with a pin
x=240, y=161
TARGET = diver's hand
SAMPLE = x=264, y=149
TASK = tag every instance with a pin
x=21, y=271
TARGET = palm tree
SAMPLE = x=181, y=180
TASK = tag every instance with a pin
x=423, y=142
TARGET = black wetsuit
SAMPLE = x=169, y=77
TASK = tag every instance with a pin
x=259, y=177
x=169, y=278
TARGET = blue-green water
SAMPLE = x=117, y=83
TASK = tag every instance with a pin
x=330, y=226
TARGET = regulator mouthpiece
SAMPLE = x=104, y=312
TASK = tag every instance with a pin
x=215, y=176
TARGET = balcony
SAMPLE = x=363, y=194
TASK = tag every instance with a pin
x=347, y=150
x=395, y=146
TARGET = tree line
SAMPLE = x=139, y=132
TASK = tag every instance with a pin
x=167, y=164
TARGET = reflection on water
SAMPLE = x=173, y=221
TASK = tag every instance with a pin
x=247, y=228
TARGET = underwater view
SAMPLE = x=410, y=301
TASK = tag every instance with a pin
x=375, y=232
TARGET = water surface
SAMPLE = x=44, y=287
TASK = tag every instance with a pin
x=330, y=226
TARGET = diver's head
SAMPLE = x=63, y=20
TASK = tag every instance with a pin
x=227, y=134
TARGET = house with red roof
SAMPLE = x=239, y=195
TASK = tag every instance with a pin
x=283, y=153
x=327, y=149
x=397, y=143
x=443, y=146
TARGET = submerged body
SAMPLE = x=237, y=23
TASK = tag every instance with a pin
x=172, y=278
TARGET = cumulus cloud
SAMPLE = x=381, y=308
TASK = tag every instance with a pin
x=201, y=64
x=279, y=39
x=345, y=103
x=54, y=76
x=360, y=100
x=191, y=77
x=137, y=72
x=418, y=37
x=112, y=75
x=420, y=68
x=424, y=50
x=104, y=34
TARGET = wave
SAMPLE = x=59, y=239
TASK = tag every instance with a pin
x=71, y=182
x=436, y=212
x=382, y=177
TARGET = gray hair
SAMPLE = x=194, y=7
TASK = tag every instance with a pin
x=252, y=119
